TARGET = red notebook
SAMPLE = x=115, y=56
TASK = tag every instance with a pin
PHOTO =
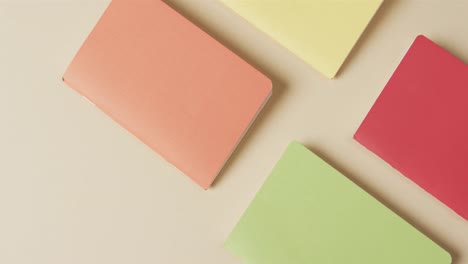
x=419, y=124
x=169, y=83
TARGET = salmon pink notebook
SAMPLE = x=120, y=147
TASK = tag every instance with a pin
x=169, y=83
x=419, y=124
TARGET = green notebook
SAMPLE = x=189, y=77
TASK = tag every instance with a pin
x=307, y=212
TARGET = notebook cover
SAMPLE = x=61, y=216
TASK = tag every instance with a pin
x=168, y=82
x=307, y=212
x=320, y=32
x=419, y=124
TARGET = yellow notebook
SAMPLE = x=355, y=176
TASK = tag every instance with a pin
x=321, y=32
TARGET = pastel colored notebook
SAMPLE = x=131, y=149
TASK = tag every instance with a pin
x=321, y=32
x=307, y=212
x=169, y=83
x=419, y=124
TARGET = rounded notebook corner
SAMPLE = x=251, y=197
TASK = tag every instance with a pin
x=449, y=258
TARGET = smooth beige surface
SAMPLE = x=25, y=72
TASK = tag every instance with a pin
x=77, y=188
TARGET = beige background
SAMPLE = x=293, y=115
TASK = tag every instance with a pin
x=77, y=188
